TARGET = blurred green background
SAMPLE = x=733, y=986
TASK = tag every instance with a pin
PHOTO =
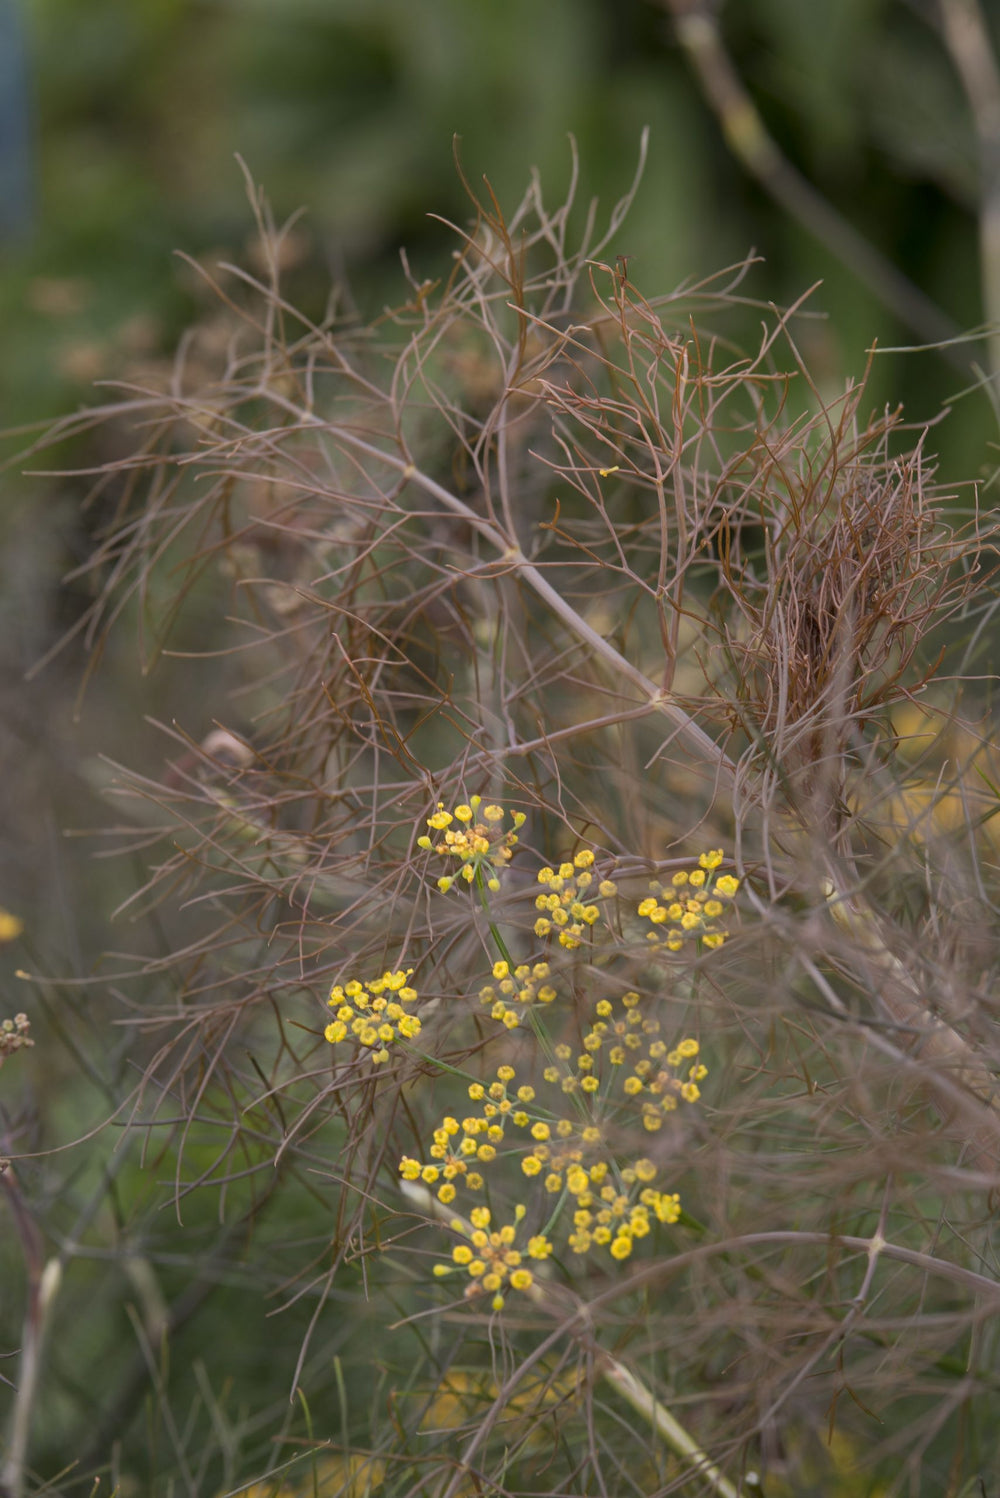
x=348, y=109
x=121, y=121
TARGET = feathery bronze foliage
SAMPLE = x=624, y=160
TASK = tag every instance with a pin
x=536, y=537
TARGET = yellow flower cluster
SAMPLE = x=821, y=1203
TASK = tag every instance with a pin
x=690, y=906
x=478, y=840
x=524, y=984
x=458, y=1145
x=615, y=1204
x=565, y=905
x=620, y=1073
x=623, y=1050
x=374, y=1015
x=488, y=1255
x=614, y=1217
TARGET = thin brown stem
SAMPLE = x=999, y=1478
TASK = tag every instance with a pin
x=759, y=153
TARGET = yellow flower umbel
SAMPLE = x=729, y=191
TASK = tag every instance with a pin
x=516, y=990
x=488, y=1256
x=575, y=1143
x=625, y=1063
x=615, y=1214
x=375, y=1015
x=459, y=1146
x=690, y=906
x=624, y=1075
x=567, y=906
x=473, y=834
